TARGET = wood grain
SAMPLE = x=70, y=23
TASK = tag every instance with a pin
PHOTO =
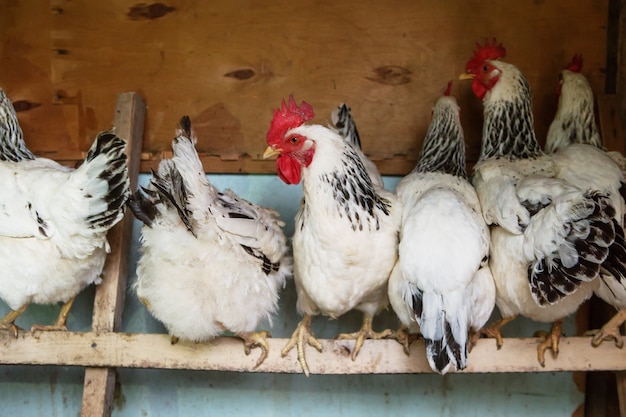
x=228, y=69
x=226, y=354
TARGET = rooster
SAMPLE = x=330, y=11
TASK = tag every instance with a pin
x=574, y=122
x=443, y=281
x=210, y=262
x=54, y=220
x=346, y=234
x=555, y=217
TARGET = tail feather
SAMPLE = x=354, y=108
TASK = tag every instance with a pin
x=106, y=163
x=437, y=356
x=143, y=205
x=342, y=119
x=444, y=326
x=170, y=186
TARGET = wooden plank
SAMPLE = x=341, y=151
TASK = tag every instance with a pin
x=610, y=124
x=26, y=76
x=99, y=384
x=111, y=349
x=227, y=70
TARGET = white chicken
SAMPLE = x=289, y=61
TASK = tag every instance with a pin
x=54, y=220
x=553, y=216
x=442, y=281
x=210, y=262
x=346, y=234
x=575, y=122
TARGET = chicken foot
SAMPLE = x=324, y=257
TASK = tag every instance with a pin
x=253, y=340
x=366, y=332
x=551, y=341
x=610, y=330
x=300, y=336
x=8, y=321
x=494, y=330
x=405, y=338
x=60, y=323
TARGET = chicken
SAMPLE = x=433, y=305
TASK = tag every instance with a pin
x=555, y=217
x=54, y=220
x=346, y=234
x=442, y=281
x=574, y=122
x=210, y=262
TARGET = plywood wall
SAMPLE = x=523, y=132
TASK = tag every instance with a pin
x=227, y=64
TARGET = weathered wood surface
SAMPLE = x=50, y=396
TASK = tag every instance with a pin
x=99, y=384
x=226, y=354
x=227, y=69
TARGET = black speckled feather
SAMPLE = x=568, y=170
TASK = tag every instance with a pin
x=12, y=145
x=355, y=194
x=591, y=236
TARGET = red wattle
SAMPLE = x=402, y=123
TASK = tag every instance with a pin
x=289, y=169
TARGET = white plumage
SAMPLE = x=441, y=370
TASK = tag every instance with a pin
x=346, y=234
x=574, y=122
x=554, y=216
x=442, y=280
x=54, y=219
x=210, y=262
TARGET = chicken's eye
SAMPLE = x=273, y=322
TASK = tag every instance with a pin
x=485, y=68
x=294, y=140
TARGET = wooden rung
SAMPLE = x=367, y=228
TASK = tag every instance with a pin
x=109, y=298
x=125, y=350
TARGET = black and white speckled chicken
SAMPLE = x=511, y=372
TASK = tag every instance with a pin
x=442, y=281
x=210, y=262
x=555, y=217
x=346, y=234
x=575, y=122
x=54, y=220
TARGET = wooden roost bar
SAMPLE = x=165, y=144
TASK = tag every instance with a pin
x=227, y=65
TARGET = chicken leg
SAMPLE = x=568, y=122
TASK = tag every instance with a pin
x=300, y=336
x=611, y=330
x=550, y=341
x=8, y=321
x=494, y=330
x=366, y=332
x=256, y=339
x=58, y=325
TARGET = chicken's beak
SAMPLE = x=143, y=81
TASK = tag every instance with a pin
x=467, y=76
x=270, y=151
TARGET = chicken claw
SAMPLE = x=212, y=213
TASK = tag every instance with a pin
x=550, y=341
x=256, y=339
x=494, y=330
x=300, y=336
x=60, y=324
x=366, y=332
x=611, y=330
x=405, y=338
x=8, y=321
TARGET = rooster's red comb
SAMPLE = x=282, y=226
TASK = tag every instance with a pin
x=448, y=89
x=576, y=65
x=490, y=50
x=286, y=118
